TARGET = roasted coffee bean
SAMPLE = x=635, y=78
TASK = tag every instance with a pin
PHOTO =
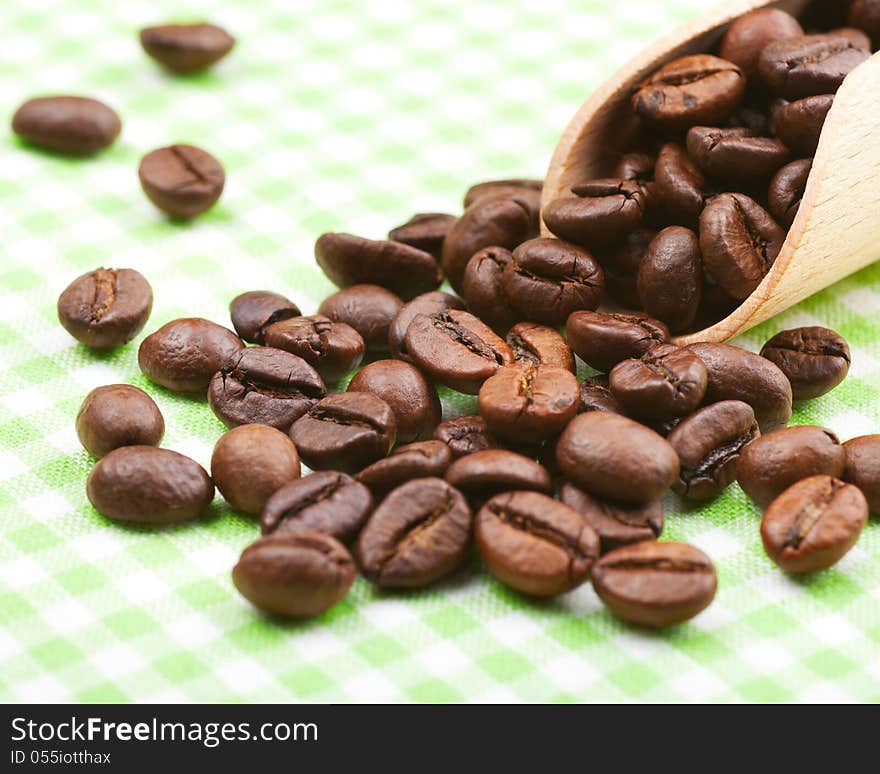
x=369, y=309
x=265, y=386
x=601, y=212
x=252, y=462
x=855, y=36
x=865, y=15
x=620, y=287
x=747, y=37
x=352, y=260
x=814, y=359
x=481, y=287
x=427, y=303
x=715, y=304
x=813, y=524
x=670, y=279
x=614, y=457
x=655, y=584
x=627, y=256
x=616, y=525
x=736, y=374
x=106, y=308
x=863, y=467
x=183, y=355
x=149, y=485
x=456, y=349
x=595, y=395
x=118, y=415
x=181, y=180
x=326, y=501
x=708, y=444
x=333, y=348
x=424, y=231
x=773, y=462
x=739, y=241
x=809, y=65
x=787, y=189
x=548, y=279
x=666, y=382
x=412, y=398
x=346, y=432
x=755, y=118
x=734, y=154
x=256, y=310
x=495, y=187
x=465, y=435
x=419, y=533
x=424, y=459
x=294, y=574
x=491, y=471
x=799, y=124
x=186, y=48
x=603, y=339
x=681, y=188
x=535, y=544
x=637, y=167
x=535, y=344
x=692, y=90
x=76, y=126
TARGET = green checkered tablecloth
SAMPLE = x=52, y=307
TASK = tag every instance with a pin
x=342, y=115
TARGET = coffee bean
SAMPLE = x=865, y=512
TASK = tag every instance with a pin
x=670, y=279
x=773, y=462
x=294, y=574
x=427, y=303
x=419, y=533
x=333, y=348
x=326, y=501
x=787, y=190
x=665, y=382
x=755, y=118
x=424, y=459
x=252, y=462
x=352, y=260
x=183, y=355
x=346, y=432
x=534, y=344
x=620, y=288
x=681, y=188
x=736, y=374
x=106, y=308
x=855, y=36
x=814, y=359
x=747, y=37
x=638, y=167
x=865, y=15
x=481, y=287
x=799, y=124
x=595, y=395
x=863, y=467
x=256, y=310
x=186, y=48
x=627, y=255
x=465, y=435
x=369, y=309
x=149, y=485
x=76, y=126
x=603, y=339
x=708, y=444
x=535, y=544
x=495, y=187
x=813, y=524
x=456, y=349
x=616, y=458
x=424, y=231
x=655, y=584
x=118, y=415
x=492, y=471
x=739, y=241
x=601, y=212
x=734, y=154
x=412, y=398
x=181, y=180
x=265, y=386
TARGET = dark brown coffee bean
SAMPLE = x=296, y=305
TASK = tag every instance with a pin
x=614, y=457
x=814, y=359
x=495, y=187
x=352, y=260
x=333, y=348
x=424, y=459
x=465, y=435
x=535, y=544
x=534, y=344
x=149, y=485
x=481, y=287
x=773, y=462
x=715, y=305
x=603, y=339
x=813, y=524
x=294, y=574
x=183, y=355
x=456, y=349
x=681, y=188
x=419, y=533
x=424, y=231
x=620, y=288
x=76, y=126
x=595, y=395
x=670, y=280
x=787, y=190
x=739, y=241
x=265, y=386
x=106, y=308
x=252, y=462
x=181, y=180
x=855, y=36
x=427, y=303
x=708, y=444
x=326, y=501
x=655, y=584
x=736, y=374
x=412, y=398
x=756, y=118
x=734, y=154
x=865, y=15
x=637, y=167
x=186, y=48
x=863, y=467
x=118, y=415
x=747, y=37
x=799, y=124
x=627, y=256
x=491, y=471
x=256, y=310
x=369, y=309
x=601, y=212
x=346, y=432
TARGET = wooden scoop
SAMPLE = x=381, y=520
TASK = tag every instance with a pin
x=837, y=228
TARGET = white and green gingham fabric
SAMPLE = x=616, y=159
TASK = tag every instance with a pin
x=342, y=115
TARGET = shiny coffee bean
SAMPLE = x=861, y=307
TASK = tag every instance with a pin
x=427, y=303
x=118, y=415
x=747, y=37
x=595, y=395
x=369, y=309
x=181, y=180
x=734, y=154
x=149, y=485
x=423, y=459
x=681, y=187
x=465, y=435
x=601, y=212
x=863, y=467
x=855, y=36
x=495, y=187
x=186, y=48
x=75, y=126
x=787, y=190
x=865, y=15
x=491, y=471
x=638, y=168
x=424, y=231
x=256, y=310
x=332, y=348
x=799, y=124
x=813, y=524
x=481, y=287
x=603, y=339
x=814, y=359
x=670, y=279
x=106, y=308
x=534, y=344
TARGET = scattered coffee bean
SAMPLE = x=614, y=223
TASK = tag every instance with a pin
x=75, y=126
x=333, y=348
x=483, y=291
x=118, y=415
x=681, y=188
x=595, y=395
x=799, y=124
x=863, y=467
x=735, y=154
x=427, y=303
x=510, y=186
x=534, y=344
x=787, y=189
x=602, y=340
x=465, y=435
x=424, y=231
x=865, y=15
x=186, y=48
x=638, y=168
x=600, y=213
x=670, y=279
x=489, y=472
x=814, y=359
x=181, y=180
x=747, y=37
x=424, y=459
x=256, y=310
x=369, y=309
